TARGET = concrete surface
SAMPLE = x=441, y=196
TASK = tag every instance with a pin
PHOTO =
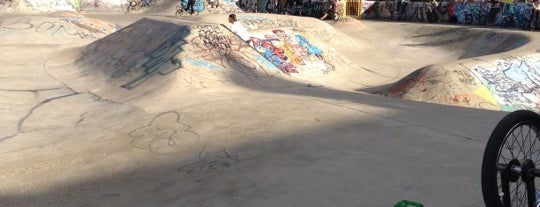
x=210, y=130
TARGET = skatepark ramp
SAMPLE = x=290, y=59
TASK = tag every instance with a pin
x=495, y=69
x=506, y=83
x=162, y=53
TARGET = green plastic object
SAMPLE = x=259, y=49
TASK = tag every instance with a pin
x=406, y=203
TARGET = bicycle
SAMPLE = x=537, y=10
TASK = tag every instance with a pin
x=182, y=8
x=332, y=15
x=509, y=162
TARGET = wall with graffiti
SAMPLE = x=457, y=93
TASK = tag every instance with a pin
x=511, y=14
x=56, y=26
x=513, y=82
x=215, y=48
x=44, y=6
x=444, y=84
x=137, y=52
x=413, y=11
x=284, y=47
x=509, y=83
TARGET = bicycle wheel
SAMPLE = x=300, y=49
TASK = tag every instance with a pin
x=514, y=139
x=179, y=11
x=132, y=6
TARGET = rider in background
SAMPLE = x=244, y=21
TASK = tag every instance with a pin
x=331, y=8
x=495, y=9
x=238, y=29
x=190, y=5
x=534, y=14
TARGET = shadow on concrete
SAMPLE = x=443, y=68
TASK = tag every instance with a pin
x=371, y=160
x=393, y=150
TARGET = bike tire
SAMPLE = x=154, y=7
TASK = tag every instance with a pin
x=179, y=12
x=506, y=128
x=132, y=5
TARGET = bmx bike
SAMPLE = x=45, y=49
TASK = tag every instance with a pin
x=332, y=15
x=182, y=8
x=510, y=159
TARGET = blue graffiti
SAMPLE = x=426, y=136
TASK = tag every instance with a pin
x=510, y=15
x=266, y=62
x=513, y=82
x=312, y=50
x=204, y=64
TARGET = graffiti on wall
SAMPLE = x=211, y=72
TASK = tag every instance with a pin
x=77, y=5
x=211, y=159
x=103, y=5
x=140, y=50
x=50, y=5
x=510, y=15
x=165, y=133
x=288, y=52
x=513, y=81
x=257, y=22
x=62, y=25
x=214, y=48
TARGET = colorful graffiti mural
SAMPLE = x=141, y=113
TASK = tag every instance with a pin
x=511, y=14
x=513, y=82
x=213, y=48
x=288, y=52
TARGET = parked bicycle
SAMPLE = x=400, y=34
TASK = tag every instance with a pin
x=182, y=8
x=509, y=162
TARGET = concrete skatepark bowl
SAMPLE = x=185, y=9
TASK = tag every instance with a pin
x=148, y=109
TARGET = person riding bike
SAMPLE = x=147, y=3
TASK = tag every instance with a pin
x=332, y=8
x=190, y=5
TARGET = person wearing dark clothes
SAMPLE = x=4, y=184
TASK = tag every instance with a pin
x=450, y=9
x=331, y=8
x=495, y=9
x=535, y=12
x=190, y=5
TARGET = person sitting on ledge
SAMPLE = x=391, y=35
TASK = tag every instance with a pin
x=238, y=29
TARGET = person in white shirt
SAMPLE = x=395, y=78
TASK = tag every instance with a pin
x=238, y=29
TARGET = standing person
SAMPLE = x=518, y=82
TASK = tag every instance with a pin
x=450, y=9
x=433, y=12
x=495, y=9
x=331, y=8
x=190, y=5
x=535, y=11
x=238, y=29
x=402, y=10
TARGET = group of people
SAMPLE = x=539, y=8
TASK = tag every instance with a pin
x=296, y=7
x=432, y=12
x=496, y=9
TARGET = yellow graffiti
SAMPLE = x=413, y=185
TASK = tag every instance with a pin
x=289, y=52
x=484, y=92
